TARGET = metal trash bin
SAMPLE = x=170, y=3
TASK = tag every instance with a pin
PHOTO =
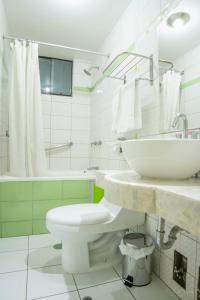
x=137, y=249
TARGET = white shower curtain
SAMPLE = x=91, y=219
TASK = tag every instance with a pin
x=26, y=143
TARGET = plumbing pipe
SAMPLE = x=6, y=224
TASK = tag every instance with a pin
x=172, y=237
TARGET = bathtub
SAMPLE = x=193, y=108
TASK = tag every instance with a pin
x=54, y=175
x=24, y=201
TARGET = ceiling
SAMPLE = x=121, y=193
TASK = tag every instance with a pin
x=75, y=23
x=173, y=43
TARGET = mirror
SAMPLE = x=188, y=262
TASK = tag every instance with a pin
x=179, y=50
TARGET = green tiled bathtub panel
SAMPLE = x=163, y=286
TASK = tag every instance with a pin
x=23, y=205
x=39, y=227
x=76, y=189
x=16, y=228
x=16, y=211
x=41, y=207
x=16, y=191
x=47, y=190
x=74, y=201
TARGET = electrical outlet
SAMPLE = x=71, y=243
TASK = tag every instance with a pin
x=180, y=269
x=198, y=287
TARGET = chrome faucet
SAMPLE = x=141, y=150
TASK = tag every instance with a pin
x=185, y=123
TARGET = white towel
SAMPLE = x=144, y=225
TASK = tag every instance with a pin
x=127, y=113
x=170, y=97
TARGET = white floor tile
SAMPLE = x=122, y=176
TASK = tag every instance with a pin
x=13, y=261
x=94, y=278
x=44, y=257
x=48, y=281
x=118, y=269
x=42, y=240
x=13, y=286
x=109, y=291
x=65, y=296
x=156, y=290
x=14, y=243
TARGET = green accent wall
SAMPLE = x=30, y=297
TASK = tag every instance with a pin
x=24, y=204
x=98, y=194
x=191, y=82
x=82, y=89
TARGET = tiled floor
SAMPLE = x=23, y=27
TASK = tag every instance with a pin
x=30, y=268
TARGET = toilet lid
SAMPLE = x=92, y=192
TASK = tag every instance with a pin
x=79, y=214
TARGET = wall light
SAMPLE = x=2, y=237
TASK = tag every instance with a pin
x=178, y=20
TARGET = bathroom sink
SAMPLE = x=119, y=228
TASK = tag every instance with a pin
x=163, y=158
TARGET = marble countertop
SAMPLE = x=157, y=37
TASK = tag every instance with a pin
x=176, y=201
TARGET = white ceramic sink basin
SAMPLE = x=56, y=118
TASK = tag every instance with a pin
x=164, y=159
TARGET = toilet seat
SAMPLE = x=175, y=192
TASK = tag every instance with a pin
x=79, y=214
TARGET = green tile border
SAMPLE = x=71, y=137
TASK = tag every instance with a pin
x=189, y=83
x=82, y=89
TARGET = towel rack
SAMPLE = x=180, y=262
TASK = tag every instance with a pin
x=171, y=66
x=125, y=62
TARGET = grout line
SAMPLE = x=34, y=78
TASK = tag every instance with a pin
x=76, y=286
x=98, y=284
x=27, y=270
x=124, y=284
x=12, y=251
x=117, y=273
x=45, y=267
x=46, y=297
x=9, y=272
x=167, y=285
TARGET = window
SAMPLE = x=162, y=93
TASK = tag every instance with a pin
x=55, y=76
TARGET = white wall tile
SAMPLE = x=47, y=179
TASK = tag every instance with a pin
x=47, y=121
x=59, y=163
x=79, y=163
x=80, y=136
x=63, y=99
x=80, y=150
x=166, y=274
x=80, y=110
x=47, y=135
x=60, y=122
x=62, y=114
x=60, y=136
x=61, y=109
x=46, y=107
x=80, y=123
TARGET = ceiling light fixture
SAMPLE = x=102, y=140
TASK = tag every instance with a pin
x=178, y=20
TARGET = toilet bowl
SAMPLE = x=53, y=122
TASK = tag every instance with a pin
x=91, y=233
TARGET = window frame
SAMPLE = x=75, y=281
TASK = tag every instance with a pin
x=72, y=65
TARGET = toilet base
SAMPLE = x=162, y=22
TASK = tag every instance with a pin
x=82, y=256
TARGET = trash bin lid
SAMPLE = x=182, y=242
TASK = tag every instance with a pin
x=138, y=240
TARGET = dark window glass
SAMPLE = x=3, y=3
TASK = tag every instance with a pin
x=56, y=76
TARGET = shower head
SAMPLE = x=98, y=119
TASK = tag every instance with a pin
x=88, y=71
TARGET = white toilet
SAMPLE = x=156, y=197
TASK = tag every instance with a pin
x=91, y=233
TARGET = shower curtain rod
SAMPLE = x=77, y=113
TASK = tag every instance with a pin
x=57, y=46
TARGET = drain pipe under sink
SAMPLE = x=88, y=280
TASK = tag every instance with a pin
x=172, y=237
